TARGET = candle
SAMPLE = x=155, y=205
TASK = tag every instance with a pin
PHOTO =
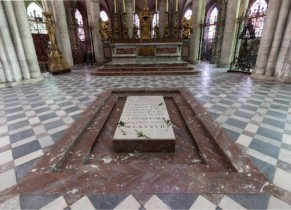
x=156, y=5
x=123, y=6
x=176, y=5
x=133, y=5
x=167, y=6
x=114, y=6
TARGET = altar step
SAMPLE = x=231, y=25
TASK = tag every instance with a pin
x=114, y=69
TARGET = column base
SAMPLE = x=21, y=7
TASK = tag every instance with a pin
x=285, y=80
x=262, y=77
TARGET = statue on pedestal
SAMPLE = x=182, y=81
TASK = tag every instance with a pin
x=57, y=62
x=187, y=29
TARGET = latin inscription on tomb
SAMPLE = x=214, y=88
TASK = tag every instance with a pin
x=144, y=117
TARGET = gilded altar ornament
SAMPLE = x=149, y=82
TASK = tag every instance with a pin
x=57, y=62
x=104, y=30
x=146, y=20
x=187, y=29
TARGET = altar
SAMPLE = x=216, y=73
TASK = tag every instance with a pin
x=146, y=50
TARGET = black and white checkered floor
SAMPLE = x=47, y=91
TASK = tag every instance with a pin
x=256, y=114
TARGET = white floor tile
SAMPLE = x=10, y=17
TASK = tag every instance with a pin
x=227, y=203
x=252, y=128
x=6, y=156
x=58, y=204
x=286, y=139
x=4, y=141
x=262, y=156
x=9, y=177
x=282, y=179
x=11, y=204
x=83, y=203
x=28, y=157
x=276, y=204
x=154, y=203
x=244, y=140
x=202, y=203
x=285, y=155
x=130, y=203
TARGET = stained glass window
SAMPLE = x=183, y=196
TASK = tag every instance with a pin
x=79, y=19
x=36, y=19
x=212, y=22
x=188, y=14
x=257, y=14
x=103, y=16
x=155, y=22
x=136, y=23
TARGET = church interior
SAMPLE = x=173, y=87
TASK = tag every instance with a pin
x=216, y=74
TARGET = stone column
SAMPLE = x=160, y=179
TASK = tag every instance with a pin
x=162, y=17
x=2, y=73
x=62, y=30
x=230, y=31
x=267, y=37
x=243, y=6
x=11, y=17
x=129, y=17
x=198, y=8
x=284, y=46
x=8, y=53
x=286, y=70
x=277, y=39
x=7, y=72
x=26, y=37
x=93, y=8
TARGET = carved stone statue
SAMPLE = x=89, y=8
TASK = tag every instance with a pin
x=104, y=30
x=187, y=29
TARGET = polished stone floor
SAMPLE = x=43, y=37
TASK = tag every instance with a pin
x=256, y=115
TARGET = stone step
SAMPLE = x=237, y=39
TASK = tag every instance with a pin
x=145, y=64
x=172, y=68
x=136, y=73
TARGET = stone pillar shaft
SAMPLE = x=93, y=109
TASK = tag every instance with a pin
x=26, y=37
x=162, y=17
x=198, y=8
x=230, y=31
x=62, y=30
x=7, y=72
x=11, y=17
x=279, y=32
x=284, y=46
x=129, y=17
x=267, y=36
x=10, y=58
x=94, y=9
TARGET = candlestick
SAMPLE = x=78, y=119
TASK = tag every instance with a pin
x=156, y=5
x=176, y=5
x=123, y=6
x=167, y=6
x=114, y=6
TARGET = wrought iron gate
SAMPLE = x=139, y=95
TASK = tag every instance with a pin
x=40, y=40
x=248, y=41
